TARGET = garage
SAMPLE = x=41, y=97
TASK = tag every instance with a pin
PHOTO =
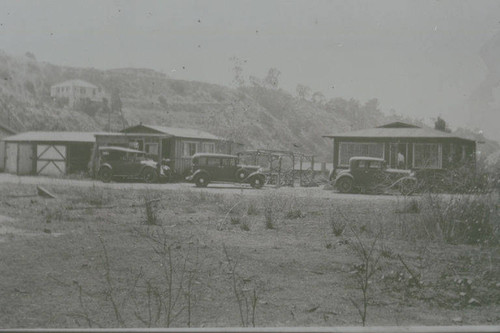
x=48, y=153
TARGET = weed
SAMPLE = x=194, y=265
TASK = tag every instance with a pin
x=156, y=296
x=411, y=206
x=269, y=218
x=386, y=251
x=468, y=219
x=151, y=211
x=94, y=196
x=337, y=223
x=235, y=220
x=244, y=226
x=246, y=298
x=294, y=214
x=252, y=209
x=53, y=214
x=364, y=271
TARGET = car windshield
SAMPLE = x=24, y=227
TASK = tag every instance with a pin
x=375, y=165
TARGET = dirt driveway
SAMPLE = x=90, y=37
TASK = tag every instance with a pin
x=226, y=188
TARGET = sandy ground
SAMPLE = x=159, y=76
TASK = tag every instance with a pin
x=220, y=188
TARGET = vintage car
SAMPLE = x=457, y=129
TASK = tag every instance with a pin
x=223, y=168
x=372, y=174
x=126, y=163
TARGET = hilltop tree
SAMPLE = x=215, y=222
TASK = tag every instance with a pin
x=30, y=55
x=238, y=79
x=302, y=91
x=440, y=125
x=272, y=78
x=318, y=97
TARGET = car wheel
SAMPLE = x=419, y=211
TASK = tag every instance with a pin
x=344, y=185
x=407, y=187
x=105, y=175
x=241, y=174
x=201, y=181
x=150, y=176
x=257, y=182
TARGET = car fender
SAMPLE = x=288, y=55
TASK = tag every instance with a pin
x=145, y=167
x=343, y=175
x=105, y=165
x=196, y=173
x=402, y=179
x=254, y=174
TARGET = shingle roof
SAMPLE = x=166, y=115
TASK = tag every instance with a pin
x=88, y=137
x=404, y=131
x=182, y=132
x=77, y=83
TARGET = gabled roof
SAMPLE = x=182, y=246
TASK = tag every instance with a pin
x=123, y=149
x=173, y=131
x=81, y=137
x=75, y=83
x=398, y=124
x=397, y=130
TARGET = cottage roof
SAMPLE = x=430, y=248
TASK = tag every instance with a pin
x=75, y=83
x=122, y=149
x=397, y=130
x=174, y=131
x=81, y=137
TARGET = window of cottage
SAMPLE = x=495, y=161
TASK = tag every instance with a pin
x=352, y=149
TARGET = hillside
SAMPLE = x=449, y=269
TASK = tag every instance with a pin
x=257, y=115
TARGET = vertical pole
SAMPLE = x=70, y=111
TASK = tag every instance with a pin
x=278, y=183
x=300, y=172
x=312, y=168
x=17, y=159
x=406, y=157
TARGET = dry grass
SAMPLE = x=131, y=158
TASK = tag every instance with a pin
x=58, y=279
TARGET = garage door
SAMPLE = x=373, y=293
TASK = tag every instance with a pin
x=11, y=157
x=51, y=160
x=25, y=159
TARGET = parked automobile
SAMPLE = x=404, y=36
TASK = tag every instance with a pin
x=372, y=174
x=224, y=168
x=126, y=163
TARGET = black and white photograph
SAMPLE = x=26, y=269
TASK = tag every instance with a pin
x=250, y=165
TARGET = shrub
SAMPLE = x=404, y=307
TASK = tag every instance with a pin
x=411, y=206
x=469, y=219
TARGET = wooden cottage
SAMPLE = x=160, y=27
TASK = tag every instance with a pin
x=175, y=144
x=404, y=146
x=5, y=131
x=48, y=153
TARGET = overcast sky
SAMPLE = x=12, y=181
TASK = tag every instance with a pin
x=420, y=58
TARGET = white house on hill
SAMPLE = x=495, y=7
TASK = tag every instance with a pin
x=77, y=90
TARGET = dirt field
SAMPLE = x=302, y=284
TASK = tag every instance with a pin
x=224, y=256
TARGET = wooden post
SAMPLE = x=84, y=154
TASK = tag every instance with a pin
x=300, y=172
